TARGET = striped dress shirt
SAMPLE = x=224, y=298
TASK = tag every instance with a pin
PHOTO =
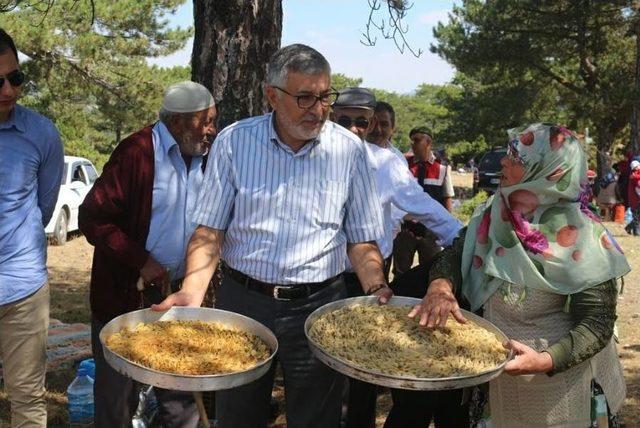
x=288, y=215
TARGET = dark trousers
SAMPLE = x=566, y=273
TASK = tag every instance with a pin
x=312, y=390
x=405, y=246
x=419, y=408
x=116, y=396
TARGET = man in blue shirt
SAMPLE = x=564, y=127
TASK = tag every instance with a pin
x=31, y=164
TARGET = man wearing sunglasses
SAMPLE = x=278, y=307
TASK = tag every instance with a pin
x=31, y=164
x=398, y=194
x=286, y=199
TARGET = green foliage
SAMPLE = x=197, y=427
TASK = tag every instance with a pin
x=468, y=207
x=562, y=61
x=425, y=107
x=340, y=81
x=92, y=78
x=460, y=153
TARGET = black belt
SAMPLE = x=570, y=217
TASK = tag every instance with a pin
x=277, y=291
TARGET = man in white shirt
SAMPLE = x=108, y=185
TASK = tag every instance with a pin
x=398, y=194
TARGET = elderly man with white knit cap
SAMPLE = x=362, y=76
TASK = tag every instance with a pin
x=138, y=216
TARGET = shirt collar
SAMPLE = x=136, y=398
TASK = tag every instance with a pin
x=16, y=120
x=166, y=139
x=432, y=158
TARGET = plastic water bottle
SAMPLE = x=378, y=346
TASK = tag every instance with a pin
x=628, y=216
x=80, y=395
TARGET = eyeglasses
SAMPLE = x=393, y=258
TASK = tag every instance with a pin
x=15, y=78
x=307, y=101
x=359, y=122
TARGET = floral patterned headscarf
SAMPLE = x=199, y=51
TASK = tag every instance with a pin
x=539, y=233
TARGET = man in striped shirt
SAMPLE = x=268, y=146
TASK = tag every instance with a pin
x=286, y=197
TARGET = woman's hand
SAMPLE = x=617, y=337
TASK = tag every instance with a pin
x=437, y=304
x=527, y=360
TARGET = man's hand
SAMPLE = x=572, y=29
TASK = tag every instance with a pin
x=203, y=254
x=383, y=294
x=527, y=360
x=437, y=304
x=153, y=273
x=180, y=298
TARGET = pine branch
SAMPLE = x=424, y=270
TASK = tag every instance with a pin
x=396, y=30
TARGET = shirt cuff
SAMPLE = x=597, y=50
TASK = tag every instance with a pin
x=560, y=355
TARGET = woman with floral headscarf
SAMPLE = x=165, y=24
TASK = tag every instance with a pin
x=543, y=269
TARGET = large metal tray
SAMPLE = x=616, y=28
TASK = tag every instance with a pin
x=401, y=382
x=187, y=382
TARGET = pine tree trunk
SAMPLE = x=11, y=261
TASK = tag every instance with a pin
x=233, y=42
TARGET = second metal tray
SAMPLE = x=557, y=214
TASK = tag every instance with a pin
x=402, y=382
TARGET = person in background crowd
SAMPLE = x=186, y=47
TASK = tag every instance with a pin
x=607, y=197
x=623, y=177
x=138, y=215
x=398, y=194
x=543, y=268
x=633, y=196
x=382, y=127
x=31, y=167
x=287, y=197
x=435, y=179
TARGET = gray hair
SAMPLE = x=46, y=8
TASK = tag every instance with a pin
x=296, y=58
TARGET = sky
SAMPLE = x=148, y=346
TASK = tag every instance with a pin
x=335, y=27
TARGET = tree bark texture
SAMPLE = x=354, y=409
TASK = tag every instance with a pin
x=233, y=42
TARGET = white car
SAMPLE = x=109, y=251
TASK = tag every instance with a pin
x=77, y=179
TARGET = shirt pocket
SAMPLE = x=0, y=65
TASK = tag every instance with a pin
x=330, y=203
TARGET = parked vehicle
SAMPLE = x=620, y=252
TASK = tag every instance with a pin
x=486, y=176
x=77, y=179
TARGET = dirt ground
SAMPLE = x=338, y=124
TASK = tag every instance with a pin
x=70, y=265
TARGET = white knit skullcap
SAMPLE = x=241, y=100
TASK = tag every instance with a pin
x=187, y=97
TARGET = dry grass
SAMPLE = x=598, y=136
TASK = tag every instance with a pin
x=629, y=327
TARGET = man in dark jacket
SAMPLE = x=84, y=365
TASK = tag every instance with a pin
x=138, y=217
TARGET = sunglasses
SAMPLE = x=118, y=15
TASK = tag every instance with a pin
x=15, y=78
x=359, y=122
